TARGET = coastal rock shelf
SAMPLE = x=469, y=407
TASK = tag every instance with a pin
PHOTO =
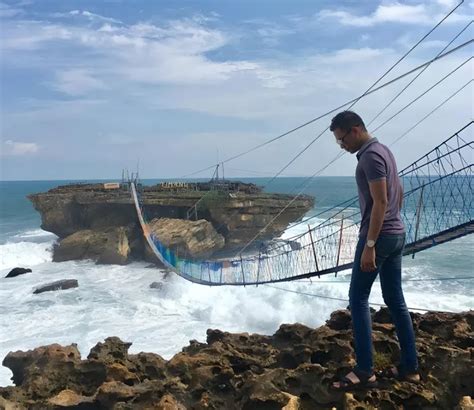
x=293, y=369
x=93, y=222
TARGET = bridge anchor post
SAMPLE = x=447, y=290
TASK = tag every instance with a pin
x=418, y=217
x=242, y=269
x=258, y=266
x=340, y=243
x=314, y=249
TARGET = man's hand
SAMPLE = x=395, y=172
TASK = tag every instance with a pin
x=367, y=260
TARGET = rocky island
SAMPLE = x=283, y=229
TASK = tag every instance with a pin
x=198, y=220
x=291, y=370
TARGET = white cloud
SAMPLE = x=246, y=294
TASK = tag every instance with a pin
x=447, y=3
x=268, y=31
x=143, y=52
x=155, y=74
x=395, y=12
x=434, y=44
x=7, y=11
x=32, y=35
x=77, y=82
x=93, y=16
x=108, y=28
x=17, y=148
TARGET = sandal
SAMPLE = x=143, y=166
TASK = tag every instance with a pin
x=356, y=380
x=399, y=374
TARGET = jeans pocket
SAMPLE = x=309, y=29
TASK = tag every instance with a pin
x=386, y=246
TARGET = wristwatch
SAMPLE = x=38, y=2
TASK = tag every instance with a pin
x=370, y=243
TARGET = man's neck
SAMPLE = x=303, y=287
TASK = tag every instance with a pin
x=364, y=138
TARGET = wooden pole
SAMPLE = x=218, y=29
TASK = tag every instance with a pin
x=242, y=268
x=340, y=242
x=258, y=266
x=418, y=217
x=314, y=249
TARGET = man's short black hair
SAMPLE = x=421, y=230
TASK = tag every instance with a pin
x=345, y=120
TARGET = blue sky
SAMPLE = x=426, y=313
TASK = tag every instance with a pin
x=91, y=87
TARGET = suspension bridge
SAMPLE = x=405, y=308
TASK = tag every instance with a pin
x=437, y=205
x=437, y=208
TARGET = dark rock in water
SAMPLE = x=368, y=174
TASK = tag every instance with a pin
x=17, y=272
x=151, y=266
x=156, y=285
x=58, y=285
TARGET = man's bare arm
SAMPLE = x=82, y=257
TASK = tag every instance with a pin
x=378, y=192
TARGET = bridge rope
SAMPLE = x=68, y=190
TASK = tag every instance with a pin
x=342, y=153
x=444, y=278
x=347, y=301
x=332, y=111
x=434, y=156
x=352, y=202
x=301, y=152
x=417, y=76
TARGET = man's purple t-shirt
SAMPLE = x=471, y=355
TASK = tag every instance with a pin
x=376, y=161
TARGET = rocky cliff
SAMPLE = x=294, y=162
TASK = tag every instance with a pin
x=101, y=224
x=293, y=369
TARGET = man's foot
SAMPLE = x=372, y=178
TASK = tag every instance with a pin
x=355, y=380
x=396, y=373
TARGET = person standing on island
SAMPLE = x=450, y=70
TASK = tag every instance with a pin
x=379, y=251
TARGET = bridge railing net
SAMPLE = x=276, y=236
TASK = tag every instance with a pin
x=438, y=196
x=438, y=188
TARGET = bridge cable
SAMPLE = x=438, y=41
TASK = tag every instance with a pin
x=363, y=95
x=348, y=203
x=421, y=95
x=411, y=103
x=321, y=133
x=347, y=301
x=431, y=112
x=353, y=200
x=413, y=70
x=310, y=178
x=403, y=280
x=418, y=75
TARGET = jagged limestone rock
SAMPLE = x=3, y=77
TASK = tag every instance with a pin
x=105, y=247
x=188, y=239
x=292, y=369
x=238, y=216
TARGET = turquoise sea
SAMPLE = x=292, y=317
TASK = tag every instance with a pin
x=117, y=300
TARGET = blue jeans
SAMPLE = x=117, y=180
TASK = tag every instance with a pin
x=388, y=250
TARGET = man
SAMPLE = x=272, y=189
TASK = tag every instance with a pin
x=379, y=251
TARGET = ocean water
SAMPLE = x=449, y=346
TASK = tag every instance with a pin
x=117, y=300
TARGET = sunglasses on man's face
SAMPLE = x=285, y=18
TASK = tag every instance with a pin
x=340, y=141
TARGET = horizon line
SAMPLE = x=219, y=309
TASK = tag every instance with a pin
x=170, y=178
